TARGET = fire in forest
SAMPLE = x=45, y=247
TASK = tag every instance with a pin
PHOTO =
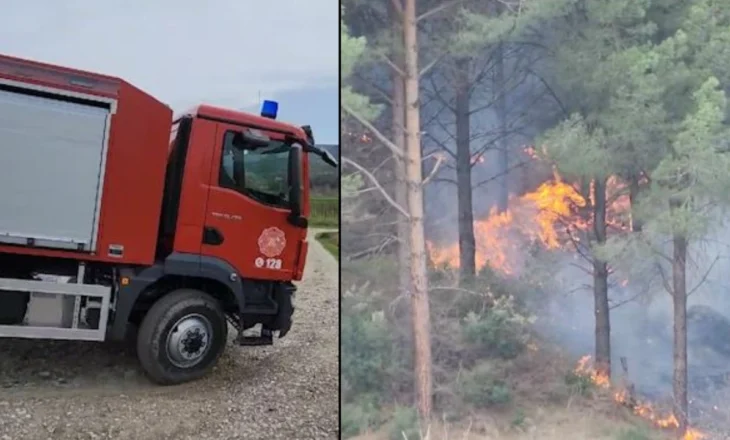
x=553, y=216
x=623, y=397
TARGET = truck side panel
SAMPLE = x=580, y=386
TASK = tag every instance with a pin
x=134, y=172
x=135, y=178
x=51, y=157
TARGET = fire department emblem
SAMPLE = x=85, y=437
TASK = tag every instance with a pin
x=272, y=242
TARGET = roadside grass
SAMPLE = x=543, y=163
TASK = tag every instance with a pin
x=330, y=241
x=325, y=212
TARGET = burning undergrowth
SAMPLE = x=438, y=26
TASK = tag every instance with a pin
x=624, y=395
x=543, y=237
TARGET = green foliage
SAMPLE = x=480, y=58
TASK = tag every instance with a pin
x=571, y=136
x=405, y=424
x=367, y=347
x=519, y=419
x=351, y=52
x=693, y=175
x=350, y=184
x=607, y=73
x=499, y=331
x=694, y=172
x=325, y=211
x=360, y=416
x=324, y=179
x=380, y=268
x=483, y=386
x=634, y=434
x=579, y=383
x=331, y=242
x=351, y=49
x=481, y=30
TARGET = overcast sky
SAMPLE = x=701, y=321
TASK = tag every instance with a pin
x=184, y=52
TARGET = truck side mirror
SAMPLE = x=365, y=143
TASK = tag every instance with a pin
x=295, y=185
x=250, y=139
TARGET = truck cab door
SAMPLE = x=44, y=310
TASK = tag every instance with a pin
x=246, y=223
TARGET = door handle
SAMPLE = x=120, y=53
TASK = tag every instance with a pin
x=212, y=236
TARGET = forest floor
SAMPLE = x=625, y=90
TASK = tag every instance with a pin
x=544, y=407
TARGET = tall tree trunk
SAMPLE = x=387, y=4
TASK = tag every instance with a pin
x=600, y=282
x=414, y=179
x=502, y=144
x=679, y=295
x=401, y=187
x=467, y=246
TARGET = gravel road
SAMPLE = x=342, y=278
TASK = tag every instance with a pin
x=73, y=390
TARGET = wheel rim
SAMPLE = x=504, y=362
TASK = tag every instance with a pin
x=189, y=340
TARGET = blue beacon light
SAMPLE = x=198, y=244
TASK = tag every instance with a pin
x=269, y=109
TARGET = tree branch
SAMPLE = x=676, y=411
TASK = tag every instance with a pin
x=387, y=142
x=374, y=181
x=393, y=66
x=434, y=170
x=371, y=250
x=550, y=90
x=384, y=94
x=704, y=277
x=437, y=9
x=430, y=66
x=444, y=180
x=496, y=176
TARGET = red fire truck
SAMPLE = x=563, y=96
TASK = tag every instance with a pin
x=114, y=216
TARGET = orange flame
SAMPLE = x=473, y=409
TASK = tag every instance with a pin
x=641, y=409
x=599, y=378
x=534, y=217
x=549, y=216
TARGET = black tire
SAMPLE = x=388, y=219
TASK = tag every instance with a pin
x=160, y=323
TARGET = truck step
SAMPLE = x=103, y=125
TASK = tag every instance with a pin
x=265, y=338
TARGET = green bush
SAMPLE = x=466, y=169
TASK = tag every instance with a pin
x=497, y=332
x=359, y=416
x=483, y=387
x=634, y=434
x=366, y=347
x=380, y=268
x=519, y=419
x=578, y=383
x=405, y=424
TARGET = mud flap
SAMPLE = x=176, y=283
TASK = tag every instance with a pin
x=284, y=297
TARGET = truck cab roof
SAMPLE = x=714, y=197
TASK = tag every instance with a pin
x=236, y=117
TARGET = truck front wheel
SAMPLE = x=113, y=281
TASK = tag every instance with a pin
x=181, y=337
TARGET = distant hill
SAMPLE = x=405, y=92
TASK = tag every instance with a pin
x=324, y=178
x=333, y=149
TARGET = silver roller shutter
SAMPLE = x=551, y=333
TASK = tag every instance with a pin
x=51, y=154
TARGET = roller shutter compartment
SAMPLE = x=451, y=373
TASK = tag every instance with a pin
x=51, y=158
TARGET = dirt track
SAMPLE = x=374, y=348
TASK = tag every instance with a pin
x=64, y=390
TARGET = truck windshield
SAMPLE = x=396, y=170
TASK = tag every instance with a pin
x=261, y=174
